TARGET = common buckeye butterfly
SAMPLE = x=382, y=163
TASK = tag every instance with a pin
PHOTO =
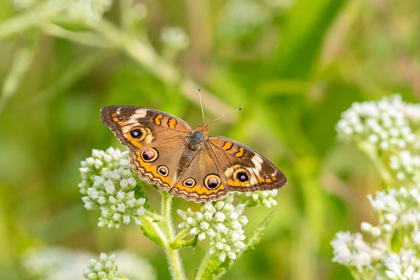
x=165, y=151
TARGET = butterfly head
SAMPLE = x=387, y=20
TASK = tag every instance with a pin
x=203, y=128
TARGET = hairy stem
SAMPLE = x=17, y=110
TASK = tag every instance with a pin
x=153, y=216
x=174, y=259
x=202, y=268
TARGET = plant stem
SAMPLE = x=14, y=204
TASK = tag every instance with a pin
x=181, y=235
x=200, y=271
x=174, y=259
x=152, y=215
x=34, y=16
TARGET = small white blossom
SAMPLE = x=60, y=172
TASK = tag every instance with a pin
x=221, y=223
x=52, y=263
x=383, y=124
x=109, y=185
x=266, y=198
x=105, y=268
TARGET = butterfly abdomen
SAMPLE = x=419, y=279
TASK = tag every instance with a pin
x=193, y=146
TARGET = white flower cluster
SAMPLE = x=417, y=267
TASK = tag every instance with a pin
x=114, y=195
x=59, y=263
x=175, y=38
x=52, y=263
x=81, y=12
x=383, y=124
x=113, y=191
x=105, y=268
x=406, y=166
x=265, y=198
x=351, y=250
x=85, y=12
x=242, y=17
x=395, y=209
x=403, y=266
x=99, y=162
x=222, y=222
x=398, y=213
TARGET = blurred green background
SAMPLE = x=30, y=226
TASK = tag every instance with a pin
x=293, y=65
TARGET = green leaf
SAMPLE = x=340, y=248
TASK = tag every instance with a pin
x=152, y=231
x=258, y=233
x=184, y=243
x=21, y=63
x=214, y=268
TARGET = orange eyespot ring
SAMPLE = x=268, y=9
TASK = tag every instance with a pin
x=150, y=155
x=212, y=181
x=190, y=182
x=163, y=170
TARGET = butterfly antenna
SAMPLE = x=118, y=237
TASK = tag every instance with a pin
x=201, y=103
x=237, y=110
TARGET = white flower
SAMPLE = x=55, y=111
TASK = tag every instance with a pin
x=266, y=198
x=52, y=263
x=221, y=223
x=109, y=186
x=383, y=124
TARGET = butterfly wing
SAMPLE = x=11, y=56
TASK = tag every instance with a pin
x=243, y=168
x=232, y=166
x=193, y=183
x=155, y=140
x=136, y=127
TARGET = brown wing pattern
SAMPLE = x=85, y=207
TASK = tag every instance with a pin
x=136, y=127
x=202, y=168
x=243, y=169
x=155, y=140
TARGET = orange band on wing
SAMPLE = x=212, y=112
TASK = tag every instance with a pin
x=240, y=152
x=227, y=146
x=132, y=140
x=157, y=119
x=151, y=171
x=172, y=123
x=200, y=190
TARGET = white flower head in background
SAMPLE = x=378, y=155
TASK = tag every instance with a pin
x=175, y=38
x=87, y=11
x=352, y=250
x=59, y=263
x=384, y=124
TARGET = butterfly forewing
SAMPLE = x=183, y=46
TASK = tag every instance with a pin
x=136, y=127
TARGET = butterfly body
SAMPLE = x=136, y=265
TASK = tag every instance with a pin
x=165, y=151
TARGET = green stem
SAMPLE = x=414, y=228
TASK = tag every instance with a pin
x=174, y=259
x=86, y=38
x=40, y=14
x=202, y=268
x=379, y=164
x=181, y=235
x=153, y=216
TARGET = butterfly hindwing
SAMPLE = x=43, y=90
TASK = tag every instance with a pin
x=243, y=169
x=201, y=181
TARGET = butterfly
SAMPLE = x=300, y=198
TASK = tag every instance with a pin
x=165, y=151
